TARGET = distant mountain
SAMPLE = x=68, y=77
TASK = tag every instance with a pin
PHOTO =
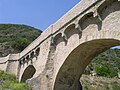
x=14, y=37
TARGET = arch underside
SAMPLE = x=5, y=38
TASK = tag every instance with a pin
x=28, y=73
x=71, y=70
x=73, y=67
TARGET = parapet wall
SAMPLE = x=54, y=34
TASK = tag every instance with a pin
x=6, y=63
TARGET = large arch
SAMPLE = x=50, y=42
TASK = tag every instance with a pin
x=96, y=38
x=28, y=73
x=74, y=65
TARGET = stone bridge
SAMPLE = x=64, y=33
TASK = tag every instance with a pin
x=58, y=57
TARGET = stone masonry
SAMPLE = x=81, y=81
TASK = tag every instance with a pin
x=58, y=57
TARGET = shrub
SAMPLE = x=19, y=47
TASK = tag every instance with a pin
x=8, y=81
x=102, y=70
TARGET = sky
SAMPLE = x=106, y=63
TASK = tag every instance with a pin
x=35, y=13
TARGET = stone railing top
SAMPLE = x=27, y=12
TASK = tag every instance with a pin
x=10, y=57
x=4, y=59
x=14, y=56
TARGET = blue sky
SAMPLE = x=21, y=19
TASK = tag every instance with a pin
x=36, y=13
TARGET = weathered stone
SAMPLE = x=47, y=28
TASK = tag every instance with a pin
x=59, y=65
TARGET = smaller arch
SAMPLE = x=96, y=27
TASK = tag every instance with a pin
x=37, y=51
x=20, y=62
x=27, y=57
x=88, y=15
x=32, y=55
x=58, y=38
x=104, y=6
x=90, y=18
x=23, y=60
x=71, y=30
x=28, y=73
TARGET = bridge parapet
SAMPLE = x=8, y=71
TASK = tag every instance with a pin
x=36, y=43
x=88, y=23
x=4, y=59
x=75, y=16
x=10, y=57
x=9, y=63
x=29, y=56
x=69, y=18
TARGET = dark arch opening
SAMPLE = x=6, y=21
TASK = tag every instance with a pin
x=32, y=54
x=70, y=30
x=84, y=18
x=28, y=73
x=37, y=51
x=75, y=64
x=58, y=39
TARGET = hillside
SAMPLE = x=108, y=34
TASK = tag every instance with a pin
x=14, y=38
x=102, y=72
x=105, y=64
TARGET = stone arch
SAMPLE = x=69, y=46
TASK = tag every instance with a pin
x=89, y=24
x=58, y=38
x=27, y=57
x=82, y=20
x=28, y=73
x=32, y=54
x=70, y=30
x=71, y=33
x=109, y=6
x=71, y=70
x=22, y=61
x=37, y=51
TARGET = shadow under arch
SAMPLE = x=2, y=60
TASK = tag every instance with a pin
x=28, y=73
x=74, y=65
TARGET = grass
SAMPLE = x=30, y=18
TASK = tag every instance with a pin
x=8, y=82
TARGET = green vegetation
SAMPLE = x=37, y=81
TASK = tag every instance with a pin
x=8, y=82
x=106, y=64
x=16, y=37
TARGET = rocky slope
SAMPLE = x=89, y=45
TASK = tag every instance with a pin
x=103, y=73
x=100, y=83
